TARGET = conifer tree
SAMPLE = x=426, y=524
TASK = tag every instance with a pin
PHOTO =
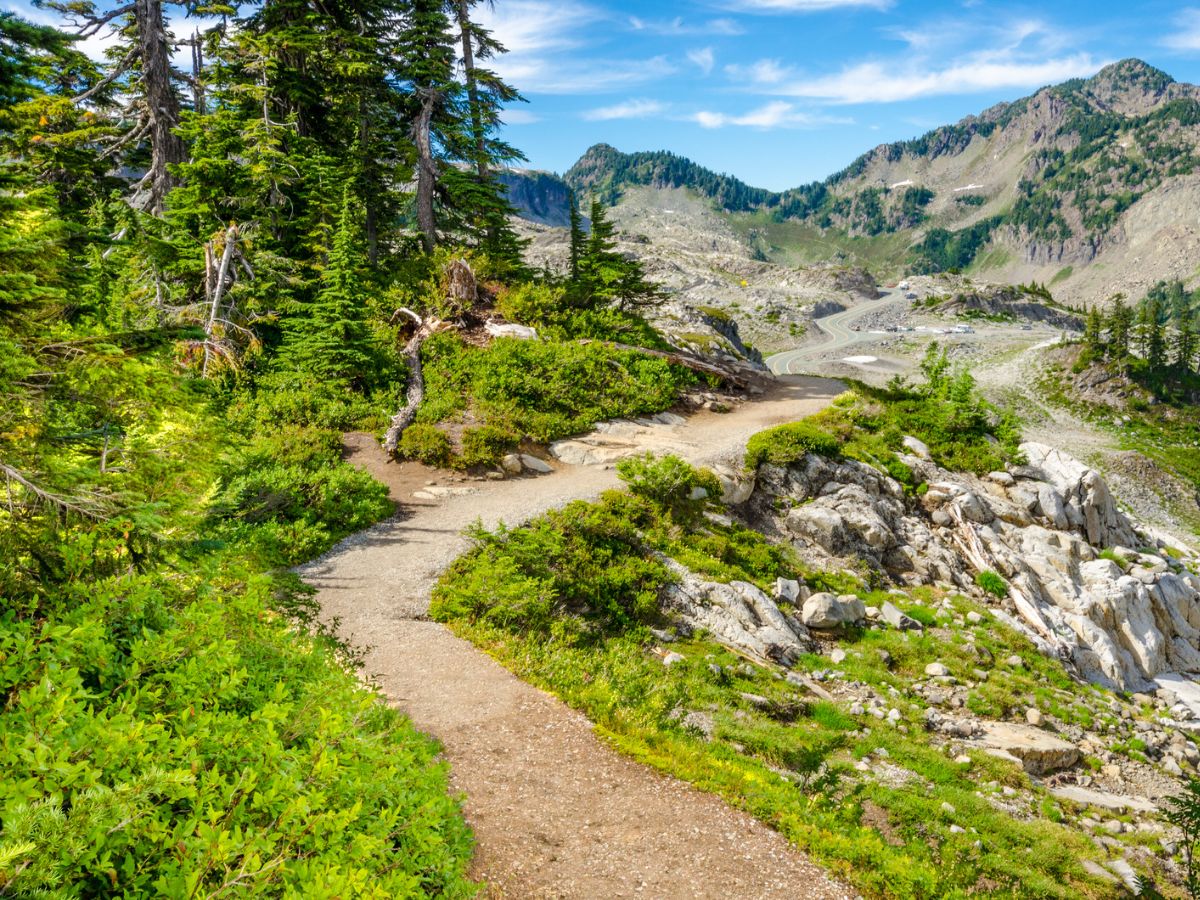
x=1120, y=325
x=1151, y=342
x=1093, y=332
x=1184, y=346
x=328, y=336
x=578, y=236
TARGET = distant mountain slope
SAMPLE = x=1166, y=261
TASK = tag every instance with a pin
x=1100, y=170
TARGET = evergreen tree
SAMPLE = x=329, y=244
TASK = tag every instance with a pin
x=605, y=275
x=1093, y=332
x=427, y=50
x=1151, y=341
x=1120, y=326
x=328, y=336
x=578, y=236
x=1184, y=346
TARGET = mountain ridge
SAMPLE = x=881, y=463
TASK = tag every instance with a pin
x=1035, y=187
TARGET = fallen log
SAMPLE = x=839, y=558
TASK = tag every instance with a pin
x=739, y=379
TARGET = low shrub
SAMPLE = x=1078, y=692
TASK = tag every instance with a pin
x=425, y=443
x=675, y=487
x=483, y=446
x=788, y=443
x=992, y=583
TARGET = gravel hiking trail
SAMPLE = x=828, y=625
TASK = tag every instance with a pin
x=556, y=812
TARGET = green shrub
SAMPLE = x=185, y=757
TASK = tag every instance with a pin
x=483, y=446
x=675, y=487
x=992, y=583
x=1110, y=554
x=788, y=443
x=163, y=736
x=544, y=389
x=425, y=443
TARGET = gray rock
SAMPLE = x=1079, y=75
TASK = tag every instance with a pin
x=917, y=446
x=511, y=464
x=936, y=669
x=825, y=611
x=533, y=464
x=787, y=590
x=1038, y=751
x=897, y=619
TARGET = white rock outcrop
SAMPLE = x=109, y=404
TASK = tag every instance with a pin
x=1041, y=526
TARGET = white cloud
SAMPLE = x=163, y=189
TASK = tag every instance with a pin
x=777, y=114
x=802, y=6
x=544, y=41
x=1187, y=37
x=765, y=71
x=630, y=109
x=519, y=117
x=703, y=59
x=679, y=27
x=878, y=82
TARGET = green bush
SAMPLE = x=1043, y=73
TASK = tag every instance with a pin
x=788, y=443
x=585, y=559
x=544, y=389
x=287, y=496
x=670, y=484
x=992, y=583
x=166, y=736
x=425, y=443
x=483, y=446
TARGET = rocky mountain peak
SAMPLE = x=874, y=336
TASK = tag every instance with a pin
x=1129, y=87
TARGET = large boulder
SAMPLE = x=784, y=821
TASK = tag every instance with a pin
x=825, y=610
x=1038, y=751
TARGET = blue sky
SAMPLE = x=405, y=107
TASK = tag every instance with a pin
x=781, y=92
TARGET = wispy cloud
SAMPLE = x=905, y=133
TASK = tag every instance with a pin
x=519, y=117
x=802, y=6
x=763, y=72
x=680, y=27
x=1187, y=34
x=877, y=82
x=703, y=58
x=546, y=46
x=777, y=114
x=630, y=109
x=1018, y=53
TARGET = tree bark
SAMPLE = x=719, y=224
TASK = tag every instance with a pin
x=426, y=171
x=162, y=103
x=463, y=14
x=414, y=393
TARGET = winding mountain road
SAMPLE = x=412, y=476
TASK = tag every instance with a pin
x=556, y=812
x=838, y=331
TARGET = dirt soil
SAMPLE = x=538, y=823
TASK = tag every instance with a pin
x=556, y=812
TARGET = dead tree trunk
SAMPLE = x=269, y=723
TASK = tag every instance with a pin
x=414, y=394
x=426, y=170
x=162, y=103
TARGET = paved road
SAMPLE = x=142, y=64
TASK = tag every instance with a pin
x=838, y=334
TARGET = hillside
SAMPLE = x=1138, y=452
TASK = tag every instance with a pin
x=1096, y=171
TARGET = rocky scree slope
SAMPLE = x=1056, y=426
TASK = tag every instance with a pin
x=713, y=283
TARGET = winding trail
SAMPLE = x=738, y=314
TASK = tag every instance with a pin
x=838, y=334
x=556, y=812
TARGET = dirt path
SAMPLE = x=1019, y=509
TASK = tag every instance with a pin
x=556, y=813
